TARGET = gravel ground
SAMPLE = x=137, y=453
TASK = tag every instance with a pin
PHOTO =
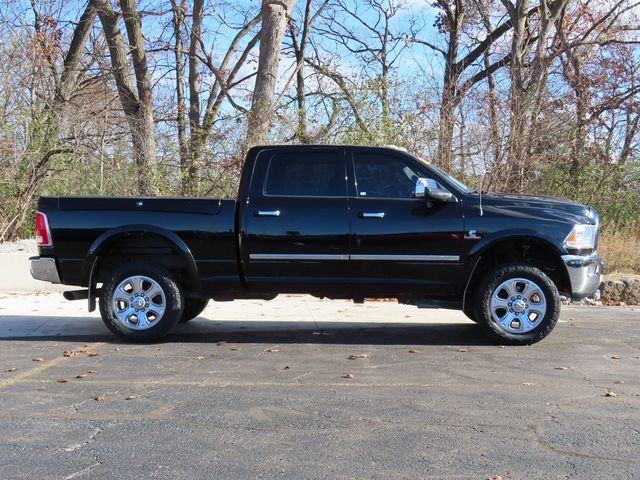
x=24, y=246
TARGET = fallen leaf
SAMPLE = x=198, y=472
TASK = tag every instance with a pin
x=99, y=398
x=131, y=397
x=199, y=357
x=235, y=349
x=360, y=355
x=83, y=349
x=92, y=354
x=82, y=375
x=561, y=368
x=272, y=350
x=462, y=350
x=38, y=359
x=619, y=382
x=414, y=351
x=63, y=380
x=221, y=342
x=348, y=375
x=91, y=371
x=615, y=357
x=14, y=369
x=69, y=353
x=610, y=394
x=495, y=477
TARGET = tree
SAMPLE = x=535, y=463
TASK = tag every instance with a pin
x=44, y=143
x=274, y=20
x=137, y=103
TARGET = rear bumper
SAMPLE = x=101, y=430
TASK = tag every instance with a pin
x=45, y=269
x=585, y=274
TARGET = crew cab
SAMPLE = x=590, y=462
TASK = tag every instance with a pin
x=346, y=222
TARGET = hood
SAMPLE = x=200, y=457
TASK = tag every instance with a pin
x=541, y=206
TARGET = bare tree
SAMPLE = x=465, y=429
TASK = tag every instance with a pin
x=137, y=103
x=48, y=126
x=274, y=20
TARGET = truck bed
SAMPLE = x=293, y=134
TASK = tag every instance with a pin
x=205, y=225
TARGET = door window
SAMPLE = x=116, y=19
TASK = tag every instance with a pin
x=381, y=176
x=312, y=174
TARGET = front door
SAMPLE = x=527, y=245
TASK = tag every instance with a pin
x=401, y=244
x=296, y=225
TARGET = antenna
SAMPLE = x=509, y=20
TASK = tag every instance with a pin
x=481, y=187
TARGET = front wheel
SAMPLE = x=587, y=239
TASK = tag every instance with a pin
x=517, y=304
x=141, y=302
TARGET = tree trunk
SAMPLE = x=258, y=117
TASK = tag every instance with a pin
x=137, y=104
x=178, y=21
x=190, y=167
x=274, y=20
x=450, y=99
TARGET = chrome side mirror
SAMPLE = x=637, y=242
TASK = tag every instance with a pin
x=428, y=188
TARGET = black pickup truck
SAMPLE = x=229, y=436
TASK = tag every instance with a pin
x=331, y=221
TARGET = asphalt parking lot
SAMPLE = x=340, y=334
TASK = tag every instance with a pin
x=262, y=390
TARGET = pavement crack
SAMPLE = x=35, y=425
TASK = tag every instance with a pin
x=83, y=471
x=92, y=437
x=632, y=429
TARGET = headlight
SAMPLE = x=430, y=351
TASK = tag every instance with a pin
x=582, y=237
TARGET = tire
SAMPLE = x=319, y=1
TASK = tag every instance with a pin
x=517, y=304
x=137, y=282
x=192, y=308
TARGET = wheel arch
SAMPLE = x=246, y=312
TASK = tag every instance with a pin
x=536, y=248
x=102, y=246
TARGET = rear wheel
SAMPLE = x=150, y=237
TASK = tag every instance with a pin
x=141, y=302
x=192, y=308
x=517, y=304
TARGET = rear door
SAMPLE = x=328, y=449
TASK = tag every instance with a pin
x=401, y=245
x=296, y=222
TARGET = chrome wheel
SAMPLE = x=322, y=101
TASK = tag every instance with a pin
x=518, y=305
x=139, y=302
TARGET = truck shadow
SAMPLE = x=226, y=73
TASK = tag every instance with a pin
x=201, y=330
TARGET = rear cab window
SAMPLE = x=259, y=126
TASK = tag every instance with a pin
x=308, y=174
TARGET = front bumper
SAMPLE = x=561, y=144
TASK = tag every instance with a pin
x=45, y=269
x=585, y=274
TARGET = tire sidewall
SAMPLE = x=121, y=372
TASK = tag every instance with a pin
x=173, y=297
x=518, y=270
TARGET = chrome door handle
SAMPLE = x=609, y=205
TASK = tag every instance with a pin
x=371, y=214
x=268, y=213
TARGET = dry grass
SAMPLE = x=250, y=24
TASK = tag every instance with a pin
x=620, y=249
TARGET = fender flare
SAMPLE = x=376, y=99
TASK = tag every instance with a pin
x=110, y=237
x=482, y=246
x=490, y=240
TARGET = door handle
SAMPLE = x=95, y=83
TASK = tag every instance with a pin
x=268, y=213
x=371, y=214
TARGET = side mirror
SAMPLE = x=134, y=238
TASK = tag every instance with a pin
x=428, y=188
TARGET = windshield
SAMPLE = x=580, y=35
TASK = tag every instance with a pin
x=455, y=181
